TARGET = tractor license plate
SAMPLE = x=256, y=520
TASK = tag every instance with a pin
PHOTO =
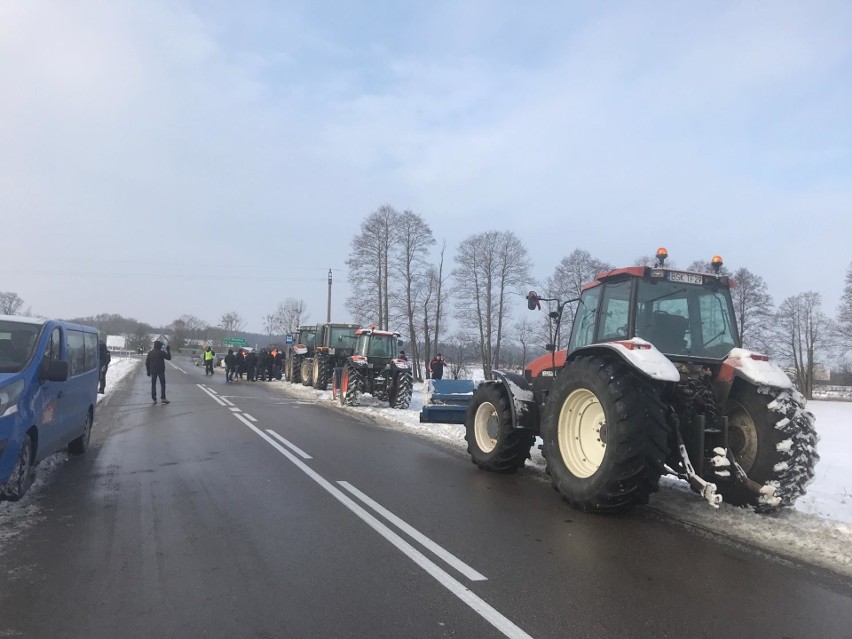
x=686, y=278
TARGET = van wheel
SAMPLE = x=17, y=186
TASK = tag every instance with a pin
x=22, y=474
x=81, y=444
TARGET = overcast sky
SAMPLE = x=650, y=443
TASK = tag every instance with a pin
x=163, y=157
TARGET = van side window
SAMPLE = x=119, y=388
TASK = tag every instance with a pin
x=53, y=350
x=91, y=342
x=76, y=352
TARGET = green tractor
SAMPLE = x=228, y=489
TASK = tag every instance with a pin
x=375, y=368
x=298, y=352
x=335, y=343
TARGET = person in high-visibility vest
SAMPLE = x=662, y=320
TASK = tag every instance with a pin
x=208, y=361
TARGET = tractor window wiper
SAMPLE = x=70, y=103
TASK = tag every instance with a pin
x=674, y=292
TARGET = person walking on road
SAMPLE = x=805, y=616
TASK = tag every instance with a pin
x=436, y=367
x=230, y=365
x=155, y=366
x=209, y=354
x=103, y=363
x=251, y=366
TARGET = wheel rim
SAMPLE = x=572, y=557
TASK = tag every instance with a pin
x=22, y=468
x=742, y=436
x=315, y=372
x=486, y=424
x=582, y=433
x=87, y=433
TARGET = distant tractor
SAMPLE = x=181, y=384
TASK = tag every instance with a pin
x=298, y=352
x=654, y=381
x=335, y=343
x=374, y=368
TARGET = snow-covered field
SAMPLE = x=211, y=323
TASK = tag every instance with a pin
x=818, y=530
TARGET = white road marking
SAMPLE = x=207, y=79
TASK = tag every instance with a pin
x=249, y=417
x=235, y=409
x=228, y=401
x=175, y=366
x=289, y=445
x=209, y=394
x=210, y=389
x=415, y=534
x=482, y=608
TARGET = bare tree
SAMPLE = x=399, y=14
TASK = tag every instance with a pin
x=489, y=267
x=460, y=349
x=802, y=332
x=526, y=333
x=435, y=299
x=569, y=276
x=232, y=322
x=844, y=314
x=286, y=318
x=186, y=327
x=140, y=338
x=409, y=267
x=753, y=308
x=369, y=262
x=10, y=303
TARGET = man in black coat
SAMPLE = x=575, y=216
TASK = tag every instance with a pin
x=251, y=365
x=103, y=363
x=230, y=365
x=155, y=366
x=436, y=367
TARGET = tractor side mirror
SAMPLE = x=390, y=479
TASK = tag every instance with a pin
x=550, y=348
x=533, y=302
x=399, y=342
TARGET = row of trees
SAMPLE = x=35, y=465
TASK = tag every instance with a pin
x=396, y=282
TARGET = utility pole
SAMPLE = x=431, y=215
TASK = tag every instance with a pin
x=328, y=319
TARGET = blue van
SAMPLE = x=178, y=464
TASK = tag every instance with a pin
x=48, y=393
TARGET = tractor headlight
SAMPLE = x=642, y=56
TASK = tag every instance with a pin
x=9, y=396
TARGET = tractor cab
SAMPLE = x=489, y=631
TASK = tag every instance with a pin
x=378, y=347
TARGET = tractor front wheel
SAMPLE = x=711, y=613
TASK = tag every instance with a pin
x=351, y=386
x=492, y=442
x=306, y=372
x=605, y=435
x=294, y=369
x=320, y=371
x=772, y=437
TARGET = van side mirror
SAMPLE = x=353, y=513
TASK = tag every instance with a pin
x=55, y=371
x=533, y=301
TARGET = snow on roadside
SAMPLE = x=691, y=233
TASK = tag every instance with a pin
x=16, y=517
x=817, y=531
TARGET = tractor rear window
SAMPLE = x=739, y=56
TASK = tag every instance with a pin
x=342, y=338
x=686, y=319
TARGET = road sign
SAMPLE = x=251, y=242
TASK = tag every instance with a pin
x=288, y=340
x=234, y=341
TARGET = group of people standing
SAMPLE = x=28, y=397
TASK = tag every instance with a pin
x=264, y=365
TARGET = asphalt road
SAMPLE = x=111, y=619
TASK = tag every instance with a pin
x=236, y=511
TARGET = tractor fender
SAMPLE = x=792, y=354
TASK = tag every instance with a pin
x=525, y=412
x=638, y=354
x=753, y=368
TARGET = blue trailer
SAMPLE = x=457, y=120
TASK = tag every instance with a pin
x=447, y=401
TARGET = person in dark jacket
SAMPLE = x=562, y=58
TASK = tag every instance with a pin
x=436, y=367
x=403, y=356
x=241, y=363
x=230, y=365
x=278, y=366
x=155, y=366
x=103, y=363
x=251, y=366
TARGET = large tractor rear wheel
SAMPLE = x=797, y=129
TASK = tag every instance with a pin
x=351, y=386
x=321, y=371
x=492, y=442
x=306, y=371
x=294, y=368
x=400, y=397
x=773, y=439
x=605, y=435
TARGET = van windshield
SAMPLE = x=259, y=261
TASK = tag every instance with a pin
x=17, y=343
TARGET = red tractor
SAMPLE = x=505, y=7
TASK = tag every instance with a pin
x=654, y=381
x=374, y=368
